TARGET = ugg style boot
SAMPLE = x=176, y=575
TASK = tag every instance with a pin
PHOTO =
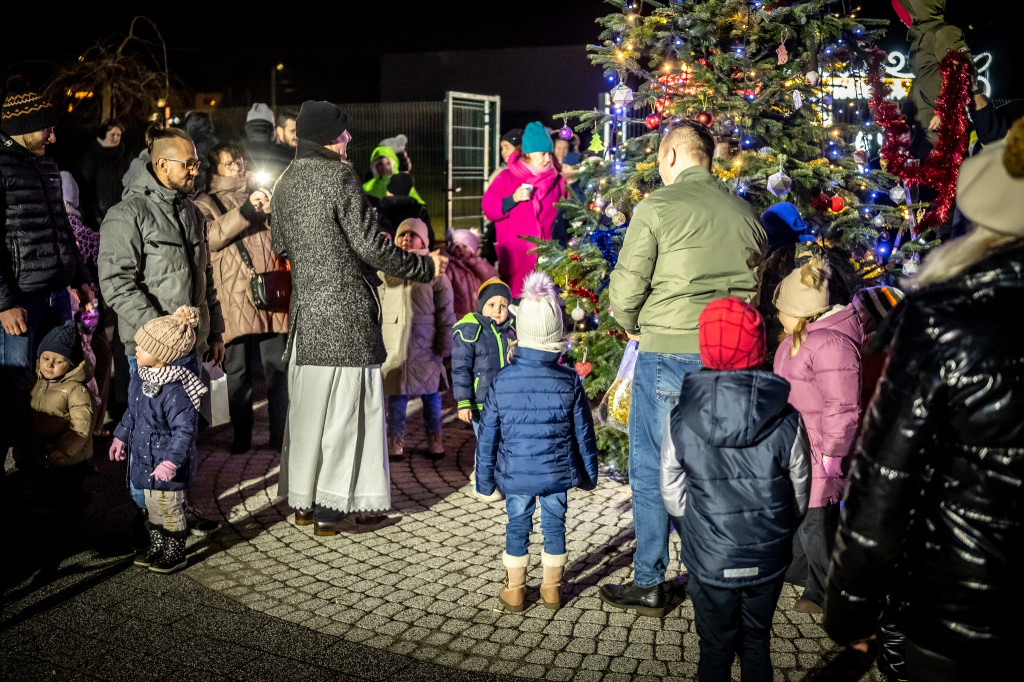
x=173, y=558
x=156, y=546
x=496, y=496
x=396, y=448
x=435, y=446
x=551, y=583
x=512, y=594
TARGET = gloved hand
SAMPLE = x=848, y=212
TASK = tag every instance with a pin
x=164, y=471
x=118, y=451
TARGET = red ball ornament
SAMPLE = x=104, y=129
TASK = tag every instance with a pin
x=705, y=117
x=653, y=121
x=836, y=204
x=820, y=202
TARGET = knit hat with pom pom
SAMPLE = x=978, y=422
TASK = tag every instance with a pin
x=990, y=188
x=539, y=318
x=804, y=292
x=170, y=337
x=25, y=111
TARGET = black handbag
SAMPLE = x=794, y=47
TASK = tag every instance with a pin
x=271, y=290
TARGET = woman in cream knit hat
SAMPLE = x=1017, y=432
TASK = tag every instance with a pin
x=820, y=357
x=159, y=432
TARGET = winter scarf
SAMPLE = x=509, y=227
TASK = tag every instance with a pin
x=544, y=180
x=153, y=378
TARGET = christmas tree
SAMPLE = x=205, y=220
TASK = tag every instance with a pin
x=760, y=75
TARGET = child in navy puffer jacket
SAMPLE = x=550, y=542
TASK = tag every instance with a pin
x=536, y=441
x=159, y=430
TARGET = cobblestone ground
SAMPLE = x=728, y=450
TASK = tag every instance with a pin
x=426, y=586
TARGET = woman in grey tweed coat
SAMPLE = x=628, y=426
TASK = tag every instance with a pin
x=335, y=465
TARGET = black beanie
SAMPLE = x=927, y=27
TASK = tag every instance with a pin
x=24, y=111
x=489, y=289
x=400, y=184
x=63, y=340
x=320, y=122
x=513, y=137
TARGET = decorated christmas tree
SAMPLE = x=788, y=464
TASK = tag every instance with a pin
x=761, y=76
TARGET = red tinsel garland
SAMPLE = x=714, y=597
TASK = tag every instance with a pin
x=942, y=166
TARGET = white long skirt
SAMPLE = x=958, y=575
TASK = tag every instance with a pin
x=335, y=452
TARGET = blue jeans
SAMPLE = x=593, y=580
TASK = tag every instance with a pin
x=397, y=405
x=657, y=379
x=520, y=522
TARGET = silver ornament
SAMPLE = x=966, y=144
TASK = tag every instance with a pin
x=598, y=201
x=621, y=96
x=879, y=220
x=779, y=184
x=578, y=313
x=611, y=211
x=898, y=195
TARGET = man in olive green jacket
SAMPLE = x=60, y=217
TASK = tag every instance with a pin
x=689, y=243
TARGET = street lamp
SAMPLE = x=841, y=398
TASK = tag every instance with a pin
x=273, y=85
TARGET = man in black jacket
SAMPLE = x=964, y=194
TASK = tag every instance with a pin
x=39, y=259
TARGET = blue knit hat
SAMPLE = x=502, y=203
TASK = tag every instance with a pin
x=784, y=225
x=63, y=340
x=536, y=139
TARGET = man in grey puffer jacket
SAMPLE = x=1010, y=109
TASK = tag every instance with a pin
x=154, y=256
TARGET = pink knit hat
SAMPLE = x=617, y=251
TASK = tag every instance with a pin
x=467, y=238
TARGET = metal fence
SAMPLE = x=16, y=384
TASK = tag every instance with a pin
x=473, y=124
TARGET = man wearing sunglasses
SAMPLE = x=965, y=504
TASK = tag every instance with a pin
x=154, y=257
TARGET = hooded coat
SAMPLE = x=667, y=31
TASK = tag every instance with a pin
x=154, y=258
x=536, y=431
x=161, y=428
x=933, y=514
x=377, y=186
x=533, y=218
x=62, y=415
x=735, y=475
x=466, y=274
x=417, y=332
x=480, y=349
x=241, y=316
x=825, y=387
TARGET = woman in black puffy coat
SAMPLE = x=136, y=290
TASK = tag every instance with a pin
x=934, y=514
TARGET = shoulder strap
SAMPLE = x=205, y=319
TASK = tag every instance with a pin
x=244, y=253
x=220, y=204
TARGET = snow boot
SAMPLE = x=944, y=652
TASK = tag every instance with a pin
x=173, y=557
x=156, y=546
x=512, y=594
x=553, y=565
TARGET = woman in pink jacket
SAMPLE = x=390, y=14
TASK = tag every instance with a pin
x=820, y=357
x=521, y=202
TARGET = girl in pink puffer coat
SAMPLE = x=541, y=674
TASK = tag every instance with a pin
x=820, y=357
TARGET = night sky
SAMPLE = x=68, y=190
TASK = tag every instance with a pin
x=331, y=51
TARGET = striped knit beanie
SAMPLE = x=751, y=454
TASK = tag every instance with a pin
x=24, y=111
x=877, y=301
x=170, y=337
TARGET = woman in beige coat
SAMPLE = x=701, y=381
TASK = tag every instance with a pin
x=237, y=213
x=417, y=332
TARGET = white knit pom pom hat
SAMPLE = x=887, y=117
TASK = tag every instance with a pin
x=539, y=318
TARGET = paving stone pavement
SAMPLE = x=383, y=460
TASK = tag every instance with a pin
x=421, y=592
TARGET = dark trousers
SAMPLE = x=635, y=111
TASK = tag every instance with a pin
x=238, y=359
x=813, y=546
x=43, y=312
x=734, y=621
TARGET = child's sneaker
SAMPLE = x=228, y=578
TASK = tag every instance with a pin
x=435, y=446
x=173, y=558
x=199, y=524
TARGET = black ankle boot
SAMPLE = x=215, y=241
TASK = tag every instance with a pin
x=644, y=601
x=156, y=546
x=173, y=557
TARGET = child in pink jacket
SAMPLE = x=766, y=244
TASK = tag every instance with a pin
x=521, y=202
x=820, y=357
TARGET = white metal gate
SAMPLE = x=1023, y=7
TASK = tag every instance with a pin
x=473, y=130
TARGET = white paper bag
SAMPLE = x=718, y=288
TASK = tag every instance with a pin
x=213, y=406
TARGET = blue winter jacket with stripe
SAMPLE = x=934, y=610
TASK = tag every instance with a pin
x=161, y=428
x=479, y=350
x=536, y=432
x=735, y=475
